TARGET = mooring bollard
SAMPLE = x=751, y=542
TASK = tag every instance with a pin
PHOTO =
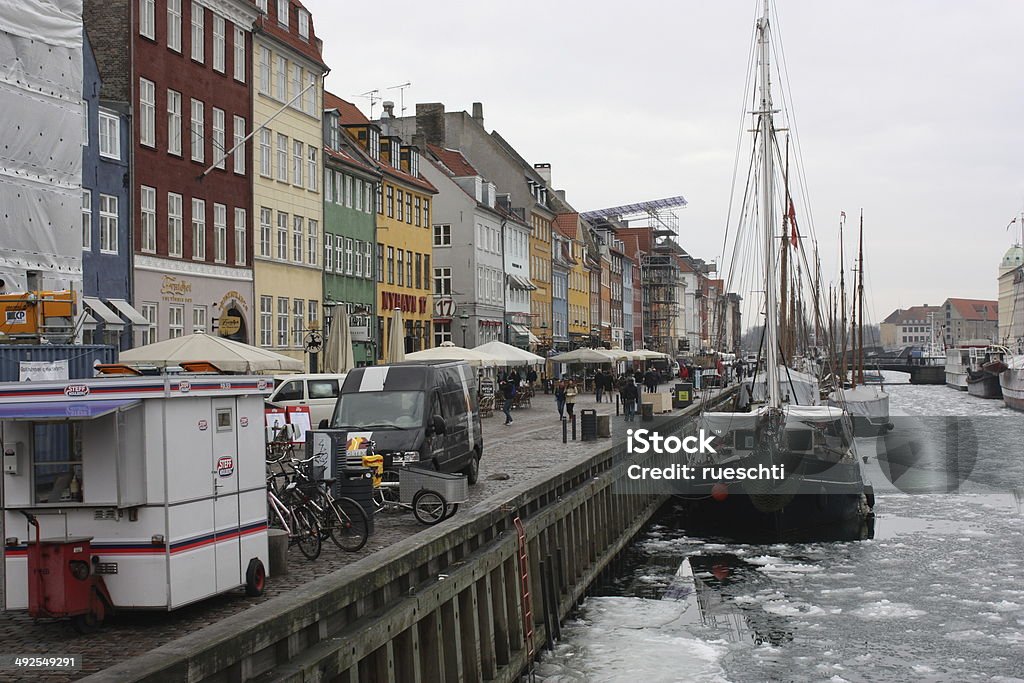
x=616, y=405
x=573, y=420
x=565, y=428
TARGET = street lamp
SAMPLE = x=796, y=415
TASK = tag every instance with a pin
x=464, y=317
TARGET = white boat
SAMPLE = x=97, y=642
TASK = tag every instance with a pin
x=1012, y=382
x=961, y=359
x=868, y=405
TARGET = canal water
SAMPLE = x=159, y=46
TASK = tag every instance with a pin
x=936, y=595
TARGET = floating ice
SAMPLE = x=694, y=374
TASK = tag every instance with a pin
x=883, y=609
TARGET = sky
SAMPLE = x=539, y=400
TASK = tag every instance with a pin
x=911, y=110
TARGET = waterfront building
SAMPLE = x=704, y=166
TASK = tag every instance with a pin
x=185, y=69
x=287, y=69
x=569, y=224
x=970, y=319
x=1011, y=299
x=911, y=327
x=351, y=178
x=617, y=290
x=518, y=284
x=561, y=265
x=627, y=299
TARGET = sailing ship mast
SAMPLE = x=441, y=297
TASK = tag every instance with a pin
x=842, y=302
x=766, y=133
x=860, y=302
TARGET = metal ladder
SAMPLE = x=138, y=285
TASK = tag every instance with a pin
x=524, y=579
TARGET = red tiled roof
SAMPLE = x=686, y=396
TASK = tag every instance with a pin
x=454, y=160
x=267, y=23
x=902, y=315
x=567, y=225
x=643, y=237
x=976, y=309
x=346, y=158
x=348, y=113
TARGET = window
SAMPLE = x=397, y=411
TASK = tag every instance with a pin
x=296, y=84
x=282, y=158
x=282, y=236
x=147, y=18
x=339, y=188
x=290, y=391
x=366, y=197
x=309, y=95
x=110, y=135
x=148, y=332
x=391, y=202
x=443, y=235
x=280, y=79
x=408, y=269
x=198, y=229
x=442, y=332
x=282, y=12
x=174, y=25
x=299, y=322
x=265, y=70
x=265, y=169
x=220, y=233
x=426, y=211
x=304, y=24
x=312, y=313
x=86, y=220
x=380, y=198
x=357, y=258
x=198, y=32
x=401, y=268
x=380, y=262
x=312, y=241
x=419, y=212
x=239, y=47
x=348, y=191
x=401, y=206
x=198, y=122
x=408, y=208
x=173, y=122
x=174, y=226
x=368, y=260
x=348, y=255
x=297, y=161
x=419, y=271
x=266, y=216
x=282, y=321
x=391, y=265
x=339, y=254
x=262, y=4
x=147, y=113
x=218, y=137
x=219, y=43
x=108, y=224
x=358, y=201
x=198, y=319
x=313, y=170
x=328, y=252
x=175, y=321
x=266, y=320
x=240, y=250
x=443, y=281
x=147, y=202
x=297, y=238
x=85, y=124
x=238, y=133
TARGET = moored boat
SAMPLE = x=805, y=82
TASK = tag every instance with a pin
x=983, y=372
x=1011, y=381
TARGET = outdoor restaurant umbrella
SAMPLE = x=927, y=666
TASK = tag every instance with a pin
x=337, y=354
x=396, y=338
x=647, y=354
x=509, y=355
x=449, y=351
x=585, y=356
x=227, y=355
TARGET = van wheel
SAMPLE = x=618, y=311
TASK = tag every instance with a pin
x=472, y=470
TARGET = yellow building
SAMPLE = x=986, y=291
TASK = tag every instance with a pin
x=287, y=102
x=570, y=225
x=540, y=273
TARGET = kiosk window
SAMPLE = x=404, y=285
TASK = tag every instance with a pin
x=224, y=419
x=57, y=462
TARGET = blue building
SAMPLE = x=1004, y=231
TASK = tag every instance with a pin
x=106, y=216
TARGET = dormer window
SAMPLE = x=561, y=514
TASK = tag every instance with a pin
x=282, y=12
x=396, y=158
x=303, y=24
x=414, y=163
x=374, y=145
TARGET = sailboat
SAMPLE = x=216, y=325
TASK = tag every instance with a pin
x=867, y=404
x=817, y=490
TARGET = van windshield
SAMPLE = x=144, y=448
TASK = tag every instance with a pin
x=379, y=410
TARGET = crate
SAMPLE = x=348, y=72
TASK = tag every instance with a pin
x=453, y=487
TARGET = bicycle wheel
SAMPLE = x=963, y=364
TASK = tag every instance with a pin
x=307, y=533
x=350, y=526
x=429, y=507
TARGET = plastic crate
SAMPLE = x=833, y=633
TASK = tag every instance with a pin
x=453, y=487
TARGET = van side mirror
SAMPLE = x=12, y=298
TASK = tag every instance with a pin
x=437, y=423
x=323, y=424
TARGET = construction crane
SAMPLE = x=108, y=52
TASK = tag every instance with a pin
x=658, y=210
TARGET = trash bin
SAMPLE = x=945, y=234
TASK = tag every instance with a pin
x=588, y=425
x=682, y=395
x=647, y=412
x=604, y=426
x=357, y=483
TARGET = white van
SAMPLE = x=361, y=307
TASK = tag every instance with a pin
x=319, y=392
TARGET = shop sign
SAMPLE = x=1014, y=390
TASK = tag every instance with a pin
x=444, y=307
x=409, y=303
x=228, y=325
x=76, y=390
x=176, y=289
x=225, y=466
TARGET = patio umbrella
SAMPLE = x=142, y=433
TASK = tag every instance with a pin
x=585, y=356
x=449, y=351
x=337, y=355
x=510, y=355
x=647, y=354
x=396, y=340
x=228, y=355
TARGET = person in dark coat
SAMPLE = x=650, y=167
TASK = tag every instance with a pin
x=630, y=394
x=560, y=398
x=531, y=377
x=651, y=381
x=609, y=385
x=508, y=392
x=598, y=384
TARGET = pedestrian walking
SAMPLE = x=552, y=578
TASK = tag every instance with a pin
x=650, y=381
x=531, y=377
x=630, y=394
x=508, y=392
x=560, y=398
x=609, y=385
x=598, y=384
x=570, y=398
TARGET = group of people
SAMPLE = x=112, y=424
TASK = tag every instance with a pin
x=512, y=384
x=628, y=385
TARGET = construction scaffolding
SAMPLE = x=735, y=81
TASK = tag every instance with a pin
x=662, y=281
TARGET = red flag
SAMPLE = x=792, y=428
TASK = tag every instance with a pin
x=792, y=220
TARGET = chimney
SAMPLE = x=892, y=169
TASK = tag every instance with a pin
x=561, y=194
x=544, y=171
x=430, y=123
x=478, y=113
x=389, y=110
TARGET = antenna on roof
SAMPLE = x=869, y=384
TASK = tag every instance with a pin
x=401, y=95
x=374, y=96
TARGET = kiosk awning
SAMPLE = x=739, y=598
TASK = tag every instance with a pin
x=102, y=312
x=64, y=410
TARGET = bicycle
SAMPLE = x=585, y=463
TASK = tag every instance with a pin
x=296, y=520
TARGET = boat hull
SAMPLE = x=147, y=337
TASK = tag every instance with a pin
x=1012, y=383
x=927, y=374
x=984, y=385
x=868, y=407
x=957, y=379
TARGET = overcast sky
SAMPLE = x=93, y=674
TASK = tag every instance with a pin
x=911, y=110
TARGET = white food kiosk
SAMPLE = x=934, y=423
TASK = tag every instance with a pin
x=164, y=473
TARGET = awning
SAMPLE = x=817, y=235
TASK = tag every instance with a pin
x=101, y=311
x=64, y=410
x=126, y=309
x=522, y=283
x=521, y=330
x=534, y=339
x=86, y=321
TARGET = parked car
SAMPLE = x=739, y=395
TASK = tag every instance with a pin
x=422, y=414
x=319, y=392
